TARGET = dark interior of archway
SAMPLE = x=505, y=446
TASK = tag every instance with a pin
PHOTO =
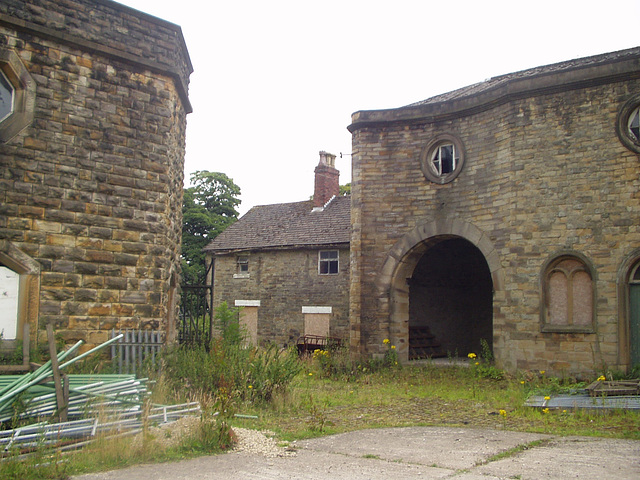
x=450, y=301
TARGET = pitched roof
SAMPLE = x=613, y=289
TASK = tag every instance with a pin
x=287, y=225
x=532, y=72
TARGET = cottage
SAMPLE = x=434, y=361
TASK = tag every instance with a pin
x=507, y=211
x=287, y=265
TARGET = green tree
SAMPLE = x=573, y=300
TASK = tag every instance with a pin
x=208, y=207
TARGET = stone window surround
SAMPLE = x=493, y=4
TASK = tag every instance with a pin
x=24, y=95
x=548, y=266
x=622, y=124
x=426, y=156
x=28, y=270
x=329, y=262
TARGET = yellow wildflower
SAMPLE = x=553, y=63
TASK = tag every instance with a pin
x=547, y=397
x=386, y=341
x=250, y=387
x=602, y=378
x=472, y=355
x=477, y=363
x=503, y=413
x=393, y=347
x=542, y=372
x=545, y=410
x=521, y=382
x=310, y=374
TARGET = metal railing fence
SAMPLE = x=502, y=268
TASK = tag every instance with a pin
x=135, y=349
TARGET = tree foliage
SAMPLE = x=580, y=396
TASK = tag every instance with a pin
x=208, y=207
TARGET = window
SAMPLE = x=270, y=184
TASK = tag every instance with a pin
x=442, y=159
x=17, y=95
x=7, y=95
x=243, y=264
x=634, y=124
x=242, y=267
x=568, y=293
x=328, y=262
x=628, y=124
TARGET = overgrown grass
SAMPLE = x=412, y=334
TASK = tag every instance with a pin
x=428, y=394
x=325, y=393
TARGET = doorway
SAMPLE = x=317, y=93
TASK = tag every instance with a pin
x=634, y=316
x=450, y=301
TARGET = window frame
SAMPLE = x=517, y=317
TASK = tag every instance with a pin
x=242, y=266
x=623, y=130
x=329, y=262
x=550, y=267
x=24, y=95
x=434, y=173
x=4, y=80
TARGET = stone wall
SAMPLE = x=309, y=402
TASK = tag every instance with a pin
x=92, y=188
x=284, y=281
x=543, y=174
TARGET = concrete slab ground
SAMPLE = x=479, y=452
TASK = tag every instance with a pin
x=413, y=453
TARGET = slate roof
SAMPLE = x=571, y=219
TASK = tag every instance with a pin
x=287, y=225
x=494, y=82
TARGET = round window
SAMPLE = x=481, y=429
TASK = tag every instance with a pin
x=442, y=159
x=628, y=125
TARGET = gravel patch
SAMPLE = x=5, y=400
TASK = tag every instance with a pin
x=261, y=443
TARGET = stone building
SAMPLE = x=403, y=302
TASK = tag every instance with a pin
x=287, y=265
x=507, y=211
x=93, y=105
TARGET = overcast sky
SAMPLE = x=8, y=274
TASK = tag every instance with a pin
x=276, y=81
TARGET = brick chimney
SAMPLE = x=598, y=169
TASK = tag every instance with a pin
x=327, y=180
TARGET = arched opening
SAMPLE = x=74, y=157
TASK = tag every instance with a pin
x=450, y=300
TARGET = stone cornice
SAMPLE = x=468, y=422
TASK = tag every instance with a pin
x=107, y=51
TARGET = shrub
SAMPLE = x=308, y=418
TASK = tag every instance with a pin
x=243, y=371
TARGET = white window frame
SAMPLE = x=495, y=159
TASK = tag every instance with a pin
x=436, y=158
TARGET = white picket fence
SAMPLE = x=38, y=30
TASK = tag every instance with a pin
x=135, y=349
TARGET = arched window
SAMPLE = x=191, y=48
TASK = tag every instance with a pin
x=568, y=296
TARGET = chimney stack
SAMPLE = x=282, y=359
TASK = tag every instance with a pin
x=327, y=183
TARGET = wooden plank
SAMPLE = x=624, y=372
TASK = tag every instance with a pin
x=614, y=388
x=62, y=407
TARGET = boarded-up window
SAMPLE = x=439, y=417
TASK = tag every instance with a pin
x=569, y=296
x=317, y=320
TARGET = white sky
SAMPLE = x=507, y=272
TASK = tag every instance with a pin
x=276, y=81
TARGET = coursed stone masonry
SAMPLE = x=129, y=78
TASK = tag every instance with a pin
x=92, y=188
x=544, y=173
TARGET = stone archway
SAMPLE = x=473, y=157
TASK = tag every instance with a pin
x=402, y=260
x=450, y=301
x=629, y=311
